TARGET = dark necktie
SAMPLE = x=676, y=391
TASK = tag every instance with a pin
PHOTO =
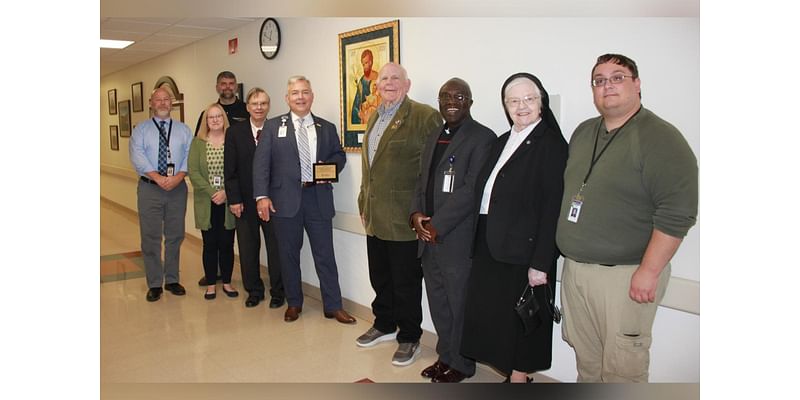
x=162, y=148
x=258, y=135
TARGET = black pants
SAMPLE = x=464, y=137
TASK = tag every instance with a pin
x=249, y=228
x=396, y=276
x=218, y=246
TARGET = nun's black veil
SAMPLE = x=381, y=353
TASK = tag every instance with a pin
x=547, y=114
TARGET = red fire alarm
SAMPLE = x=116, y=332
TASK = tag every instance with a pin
x=233, y=46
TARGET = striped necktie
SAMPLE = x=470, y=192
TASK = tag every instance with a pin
x=303, y=150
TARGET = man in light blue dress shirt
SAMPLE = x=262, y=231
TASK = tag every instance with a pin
x=159, y=150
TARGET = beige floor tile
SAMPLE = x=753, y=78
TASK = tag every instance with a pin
x=190, y=339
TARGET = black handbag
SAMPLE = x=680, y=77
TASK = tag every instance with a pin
x=528, y=307
x=528, y=310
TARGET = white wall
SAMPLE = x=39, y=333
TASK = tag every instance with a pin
x=483, y=51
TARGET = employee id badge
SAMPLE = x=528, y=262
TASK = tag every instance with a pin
x=170, y=169
x=216, y=181
x=282, y=131
x=449, y=180
x=575, y=209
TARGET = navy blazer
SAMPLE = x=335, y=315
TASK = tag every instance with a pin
x=276, y=165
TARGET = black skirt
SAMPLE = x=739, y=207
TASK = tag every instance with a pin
x=493, y=332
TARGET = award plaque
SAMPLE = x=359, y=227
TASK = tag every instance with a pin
x=325, y=172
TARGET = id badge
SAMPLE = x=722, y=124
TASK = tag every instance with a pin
x=449, y=180
x=282, y=131
x=574, y=210
x=216, y=181
x=170, y=169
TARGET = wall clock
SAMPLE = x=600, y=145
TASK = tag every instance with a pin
x=269, y=38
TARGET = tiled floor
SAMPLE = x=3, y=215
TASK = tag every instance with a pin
x=190, y=339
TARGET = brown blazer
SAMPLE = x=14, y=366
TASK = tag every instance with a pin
x=387, y=187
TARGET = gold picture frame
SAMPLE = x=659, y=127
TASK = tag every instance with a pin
x=363, y=49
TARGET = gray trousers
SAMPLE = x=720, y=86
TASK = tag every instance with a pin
x=161, y=213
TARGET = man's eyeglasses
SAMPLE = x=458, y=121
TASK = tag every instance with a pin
x=513, y=102
x=445, y=97
x=614, y=79
x=261, y=104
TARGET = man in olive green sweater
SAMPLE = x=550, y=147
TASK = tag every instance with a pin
x=630, y=196
x=390, y=165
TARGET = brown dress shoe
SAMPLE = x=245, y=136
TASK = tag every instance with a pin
x=449, y=376
x=292, y=313
x=437, y=368
x=341, y=316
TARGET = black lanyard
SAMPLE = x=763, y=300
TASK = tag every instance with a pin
x=161, y=134
x=596, y=137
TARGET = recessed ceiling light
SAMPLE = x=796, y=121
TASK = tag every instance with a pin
x=115, y=44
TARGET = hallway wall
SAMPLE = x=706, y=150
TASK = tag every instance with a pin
x=483, y=51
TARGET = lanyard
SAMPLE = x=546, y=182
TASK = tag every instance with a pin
x=594, y=150
x=161, y=134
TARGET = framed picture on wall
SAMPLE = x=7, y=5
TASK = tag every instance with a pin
x=136, y=95
x=112, y=102
x=125, y=118
x=362, y=53
x=114, y=131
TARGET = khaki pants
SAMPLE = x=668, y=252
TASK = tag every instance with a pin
x=610, y=333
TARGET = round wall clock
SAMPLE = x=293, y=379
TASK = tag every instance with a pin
x=270, y=38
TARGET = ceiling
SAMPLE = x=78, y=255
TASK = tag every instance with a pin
x=156, y=36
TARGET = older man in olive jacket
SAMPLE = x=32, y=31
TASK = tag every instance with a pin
x=390, y=164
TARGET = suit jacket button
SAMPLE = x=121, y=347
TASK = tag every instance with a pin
x=530, y=239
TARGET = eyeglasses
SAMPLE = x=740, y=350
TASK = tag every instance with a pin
x=614, y=79
x=513, y=102
x=261, y=104
x=446, y=97
x=215, y=116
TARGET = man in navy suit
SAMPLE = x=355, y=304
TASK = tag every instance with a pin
x=287, y=195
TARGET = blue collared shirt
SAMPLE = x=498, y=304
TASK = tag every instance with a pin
x=143, y=148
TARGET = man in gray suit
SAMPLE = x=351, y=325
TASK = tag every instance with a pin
x=442, y=216
x=287, y=194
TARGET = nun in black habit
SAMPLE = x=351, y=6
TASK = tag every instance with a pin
x=518, y=193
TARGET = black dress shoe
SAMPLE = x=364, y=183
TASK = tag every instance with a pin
x=154, y=294
x=437, y=368
x=230, y=293
x=175, y=288
x=252, y=301
x=527, y=380
x=449, y=376
x=276, y=302
x=210, y=296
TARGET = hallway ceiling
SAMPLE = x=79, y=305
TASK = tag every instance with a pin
x=156, y=36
